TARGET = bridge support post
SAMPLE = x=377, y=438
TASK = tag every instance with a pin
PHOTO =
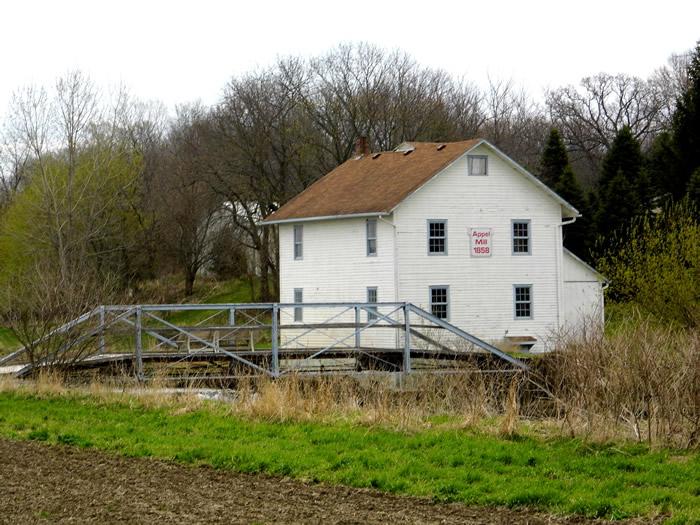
x=232, y=323
x=358, y=341
x=232, y=317
x=275, y=341
x=101, y=347
x=407, y=339
x=138, y=352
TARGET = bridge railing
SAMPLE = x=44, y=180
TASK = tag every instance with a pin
x=266, y=338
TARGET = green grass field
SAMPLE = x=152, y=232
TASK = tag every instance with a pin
x=562, y=476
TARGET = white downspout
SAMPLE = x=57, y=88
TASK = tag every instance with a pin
x=604, y=287
x=560, y=254
x=396, y=266
x=396, y=258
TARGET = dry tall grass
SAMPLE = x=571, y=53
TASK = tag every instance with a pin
x=466, y=398
x=643, y=383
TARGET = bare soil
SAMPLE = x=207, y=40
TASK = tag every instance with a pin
x=57, y=484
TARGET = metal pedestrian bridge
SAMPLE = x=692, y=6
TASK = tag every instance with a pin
x=186, y=341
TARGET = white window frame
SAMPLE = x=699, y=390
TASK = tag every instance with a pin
x=437, y=221
x=372, y=310
x=298, y=236
x=472, y=158
x=527, y=237
x=298, y=310
x=516, y=302
x=369, y=238
x=446, y=303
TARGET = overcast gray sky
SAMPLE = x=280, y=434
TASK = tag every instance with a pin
x=179, y=52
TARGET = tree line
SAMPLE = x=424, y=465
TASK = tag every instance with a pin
x=96, y=187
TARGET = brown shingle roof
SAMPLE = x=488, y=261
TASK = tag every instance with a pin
x=372, y=183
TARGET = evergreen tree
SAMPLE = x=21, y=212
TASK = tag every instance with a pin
x=578, y=234
x=623, y=189
x=686, y=127
x=558, y=175
x=619, y=204
x=694, y=190
x=593, y=203
x=554, y=159
x=625, y=155
x=662, y=167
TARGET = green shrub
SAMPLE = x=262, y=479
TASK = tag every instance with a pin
x=655, y=263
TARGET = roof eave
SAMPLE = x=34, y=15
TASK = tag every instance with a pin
x=585, y=264
x=270, y=222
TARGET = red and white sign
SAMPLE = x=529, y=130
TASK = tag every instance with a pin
x=480, y=242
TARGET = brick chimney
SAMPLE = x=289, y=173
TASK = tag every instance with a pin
x=362, y=146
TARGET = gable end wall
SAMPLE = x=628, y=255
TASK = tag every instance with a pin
x=481, y=289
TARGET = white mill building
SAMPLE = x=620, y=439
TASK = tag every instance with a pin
x=458, y=229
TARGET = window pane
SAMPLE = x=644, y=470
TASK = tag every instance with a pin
x=298, y=241
x=520, y=245
x=298, y=298
x=440, y=311
x=371, y=295
x=438, y=302
x=371, y=230
x=523, y=302
x=437, y=229
x=371, y=246
x=437, y=245
x=521, y=237
x=437, y=236
x=372, y=298
x=520, y=229
x=477, y=165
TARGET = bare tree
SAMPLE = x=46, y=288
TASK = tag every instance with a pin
x=39, y=305
x=14, y=158
x=671, y=81
x=513, y=122
x=590, y=117
x=144, y=127
x=361, y=90
x=260, y=155
x=187, y=208
x=466, y=113
x=78, y=172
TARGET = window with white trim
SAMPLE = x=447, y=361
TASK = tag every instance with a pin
x=522, y=298
x=439, y=301
x=298, y=241
x=521, y=237
x=478, y=164
x=371, y=227
x=371, y=298
x=298, y=310
x=437, y=237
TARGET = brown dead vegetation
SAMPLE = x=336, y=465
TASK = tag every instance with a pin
x=641, y=383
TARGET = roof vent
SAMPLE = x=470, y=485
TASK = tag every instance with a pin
x=404, y=147
x=441, y=147
x=376, y=155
